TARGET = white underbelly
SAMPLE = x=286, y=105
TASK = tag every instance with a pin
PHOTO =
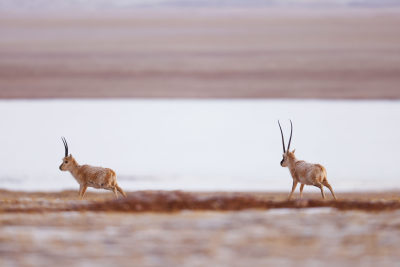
x=96, y=184
x=303, y=180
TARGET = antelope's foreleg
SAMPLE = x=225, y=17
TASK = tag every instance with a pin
x=301, y=190
x=325, y=182
x=293, y=188
x=82, y=191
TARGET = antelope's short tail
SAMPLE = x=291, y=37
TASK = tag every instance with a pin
x=120, y=190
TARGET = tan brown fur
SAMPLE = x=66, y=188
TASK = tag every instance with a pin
x=306, y=174
x=89, y=176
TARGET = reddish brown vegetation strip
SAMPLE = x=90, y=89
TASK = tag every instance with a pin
x=170, y=201
x=175, y=201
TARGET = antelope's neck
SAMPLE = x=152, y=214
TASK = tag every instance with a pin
x=75, y=171
x=292, y=166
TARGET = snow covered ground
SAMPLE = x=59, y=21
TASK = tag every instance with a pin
x=199, y=144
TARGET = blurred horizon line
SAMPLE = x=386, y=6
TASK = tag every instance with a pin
x=101, y=5
x=123, y=4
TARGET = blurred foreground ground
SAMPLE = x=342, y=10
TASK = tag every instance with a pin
x=202, y=53
x=251, y=237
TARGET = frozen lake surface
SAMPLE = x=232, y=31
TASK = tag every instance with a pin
x=199, y=144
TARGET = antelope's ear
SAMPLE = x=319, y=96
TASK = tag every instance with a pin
x=70, y=155
x=294, y=150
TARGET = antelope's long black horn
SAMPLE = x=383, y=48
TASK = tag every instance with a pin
x=291, y=132
x=65, y=145
x=283, y=140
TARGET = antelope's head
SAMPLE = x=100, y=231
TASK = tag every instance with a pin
x=286, y=152
x=68, y=160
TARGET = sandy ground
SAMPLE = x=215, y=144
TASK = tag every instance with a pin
x=316, y=237
x=263, y=53
x=299, y=236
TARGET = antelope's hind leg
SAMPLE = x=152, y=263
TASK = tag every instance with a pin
x=325, y=182
x=114, y=189
x=120, y=190
x=301, y=190
x=322, y=190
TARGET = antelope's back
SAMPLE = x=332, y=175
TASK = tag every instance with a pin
x=98, y=176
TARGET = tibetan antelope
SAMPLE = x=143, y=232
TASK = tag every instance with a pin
x=303, y=172
x=89, y=176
